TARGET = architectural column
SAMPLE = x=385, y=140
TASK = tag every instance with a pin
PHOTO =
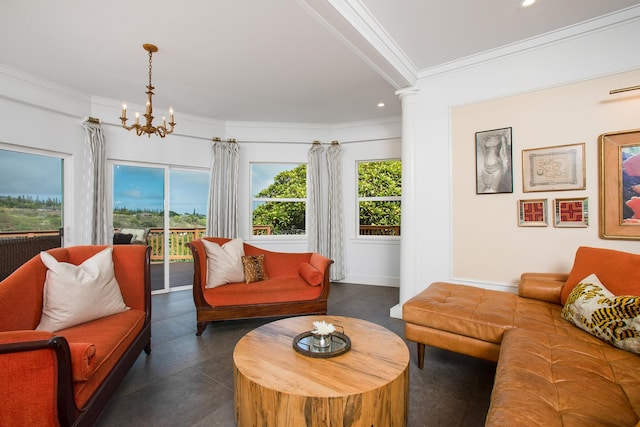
x=408, y=240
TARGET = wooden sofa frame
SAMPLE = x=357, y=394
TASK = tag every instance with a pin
x=206, y=313
x=68, y=414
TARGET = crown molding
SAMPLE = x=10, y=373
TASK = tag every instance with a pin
x=356, y=26
x=622, y=17
x=28, y=89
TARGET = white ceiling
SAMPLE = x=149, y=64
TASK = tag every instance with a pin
x=264, y=60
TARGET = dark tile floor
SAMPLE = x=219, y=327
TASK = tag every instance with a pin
x=188, y=380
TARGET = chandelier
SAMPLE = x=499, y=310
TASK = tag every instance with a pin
x=148, y=128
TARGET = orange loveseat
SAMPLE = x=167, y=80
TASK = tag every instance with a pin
x=284, y=293
x=67, y=377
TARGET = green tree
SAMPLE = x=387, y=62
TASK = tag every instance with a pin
x=284, y=217
x=380, y=179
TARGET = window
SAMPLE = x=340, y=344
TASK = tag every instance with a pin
x=379, y=192
x=30, y=192
x=278, y=198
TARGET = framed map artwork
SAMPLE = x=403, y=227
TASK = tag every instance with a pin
x=553, y=168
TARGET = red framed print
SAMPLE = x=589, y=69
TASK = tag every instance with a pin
x=571, y=212
x=532, y=213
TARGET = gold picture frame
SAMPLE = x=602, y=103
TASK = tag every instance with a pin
x=532, y=213
x=619, y=180
x=557, y=168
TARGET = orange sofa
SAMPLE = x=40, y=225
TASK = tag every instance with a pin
x=550, y=372
x=66, y=378
x=284, y=293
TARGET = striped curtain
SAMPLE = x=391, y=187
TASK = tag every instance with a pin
x=222, y=213
x=316, y=218
x=335, y=226
x=98, y=166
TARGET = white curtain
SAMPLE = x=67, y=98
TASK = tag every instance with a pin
x=335, y=226
x=98, y=165
x=316, y=219
x=222, y=215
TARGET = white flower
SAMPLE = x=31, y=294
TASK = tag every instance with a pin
x=323, y=328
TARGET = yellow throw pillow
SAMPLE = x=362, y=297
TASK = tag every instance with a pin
x=254, y=268
x=614, y=319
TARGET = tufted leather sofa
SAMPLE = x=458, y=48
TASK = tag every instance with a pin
x=549, y=372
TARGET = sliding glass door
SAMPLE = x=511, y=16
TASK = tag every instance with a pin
x=165, y=208
x=188, y=197
x=138, y=213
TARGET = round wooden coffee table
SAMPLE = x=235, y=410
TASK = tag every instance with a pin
x=277, y=386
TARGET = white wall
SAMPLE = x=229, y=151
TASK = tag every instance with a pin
x=45, y=116
x=545, y=62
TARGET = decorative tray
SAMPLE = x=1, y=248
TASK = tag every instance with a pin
x=338, y=344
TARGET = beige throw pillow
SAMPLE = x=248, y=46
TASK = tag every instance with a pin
x=224, y=263
x=75, y=294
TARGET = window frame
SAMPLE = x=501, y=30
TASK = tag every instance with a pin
x=67, y=182
x=373, y=199
x=253, y=200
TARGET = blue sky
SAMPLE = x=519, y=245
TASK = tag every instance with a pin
x=262, y=174
x=138, y=187
x=135, y=187
x=24, y=174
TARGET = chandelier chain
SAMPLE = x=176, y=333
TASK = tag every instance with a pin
x=150, y=62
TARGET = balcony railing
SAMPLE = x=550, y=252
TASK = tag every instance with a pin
x=379, y=230
x=178, y=239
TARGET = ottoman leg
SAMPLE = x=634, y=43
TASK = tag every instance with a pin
x=420, y=355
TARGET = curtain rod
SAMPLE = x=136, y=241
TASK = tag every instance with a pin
x=215, y=139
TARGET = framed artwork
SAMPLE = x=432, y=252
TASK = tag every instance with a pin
x=532, y=213
x=571, y=212
x=619, y=165
x=493, y=161
x=553, y=168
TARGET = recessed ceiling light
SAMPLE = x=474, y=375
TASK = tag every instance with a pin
x=526, y=3
x=380, y=104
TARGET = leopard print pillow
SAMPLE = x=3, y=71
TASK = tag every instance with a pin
x=615, y=319
x=254, y=268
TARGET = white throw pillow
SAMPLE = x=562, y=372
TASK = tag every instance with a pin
x=224, y=263
x=75, y=294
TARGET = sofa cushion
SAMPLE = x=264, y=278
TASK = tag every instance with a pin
x=111, y=336
x=619, y=270
x=464, y=310
x=254, y=268
x=546, y=380
x=224, y=263
x=74, y=294
x=310, y=274
x=593, y=308
x=284, y=289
